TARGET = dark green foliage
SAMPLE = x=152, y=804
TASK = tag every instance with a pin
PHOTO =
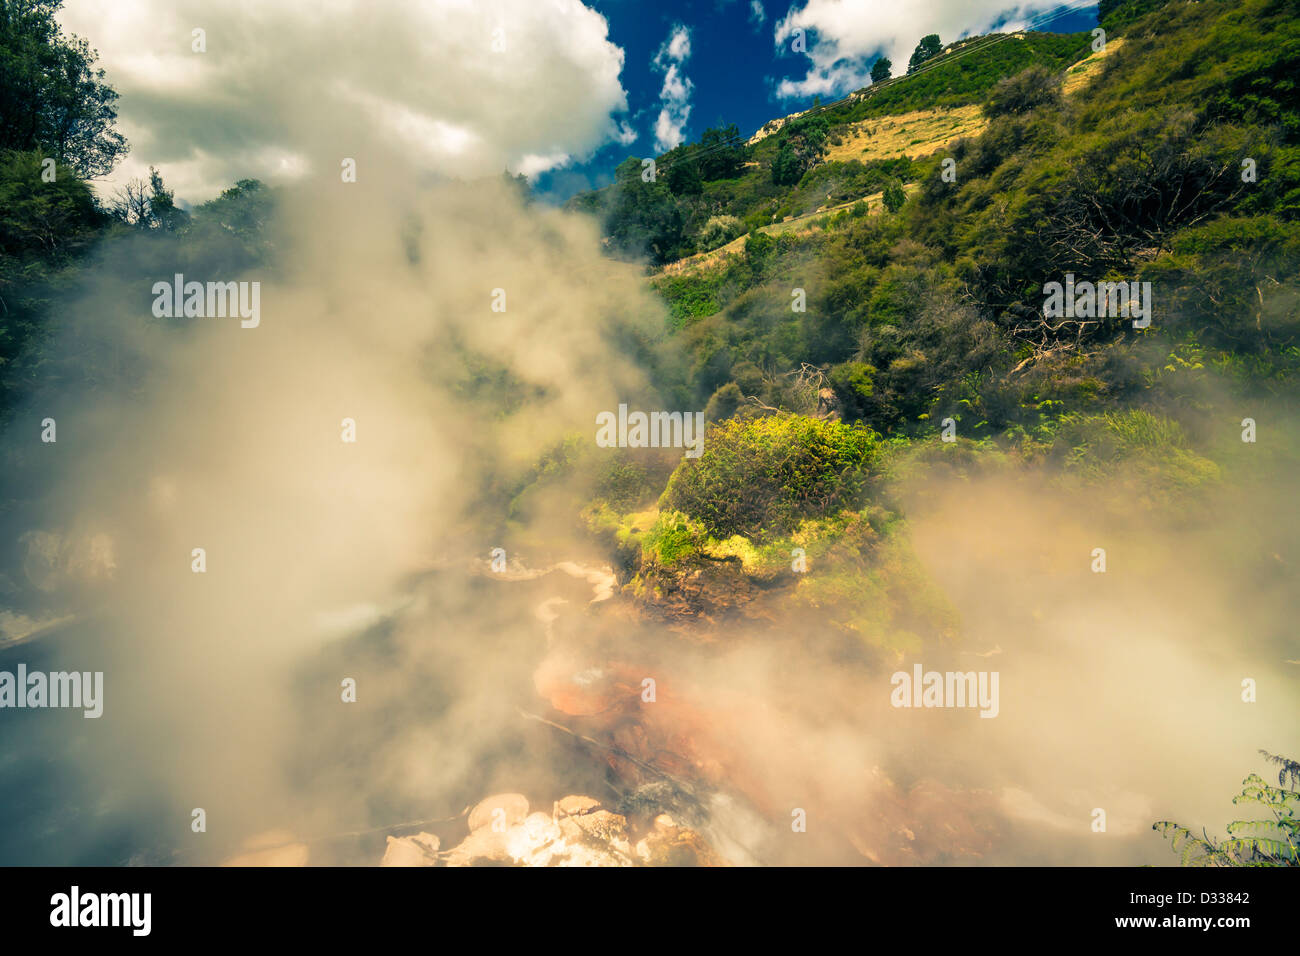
x=44, y=228
x=881, y=69
x=52, y=99
x=927, y=49
x=894, y=196
x=853, y=384
x=724, y=402
x=965, y=74
x=1114, y=14
x=803, y=143
x=241, y=215
x=720, y=153
x=759, y=247
x=684, y=178
x=643, y=219
x=786, y=168
x=1213, y=276
x=762, y=477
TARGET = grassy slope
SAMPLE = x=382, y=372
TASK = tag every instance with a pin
x=909, y=116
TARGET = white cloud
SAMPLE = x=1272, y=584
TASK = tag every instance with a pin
x=533, y=165
x=420, y=77
x=844, y=37
x=625, y=134
x=757, y=15
x=670, y=126
x=678, y=46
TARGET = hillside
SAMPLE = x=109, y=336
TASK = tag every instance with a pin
x=1125, y=162
x=825, y=156
x=927, y=314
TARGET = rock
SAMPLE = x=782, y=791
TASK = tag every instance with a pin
x=514, y=805
x=573, y=805
x=418, y=850
x=480, y=848
x=598, y=825
x=580, y=832
x=671, y=845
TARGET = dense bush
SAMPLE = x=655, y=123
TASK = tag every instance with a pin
x=720, y=230
x=1037, y=86
x=762, y=477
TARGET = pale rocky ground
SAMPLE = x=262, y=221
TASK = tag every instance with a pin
x=577, y=831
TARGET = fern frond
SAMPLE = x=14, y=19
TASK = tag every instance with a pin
x=1261, y=851
x=1289, y=769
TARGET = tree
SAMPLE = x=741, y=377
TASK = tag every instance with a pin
x=52, y=100
x=927, y=49
x=162, y=204
x=236, y=224
x=721, y=153
x=881, y=70
x=683, y=176
x=786, y=168
x=759, y=247
x=643, y=218
x=148, y=205
x=894, y=197
x=719, y=230
x=519, y=183
x=804, y=143
x=44, y=226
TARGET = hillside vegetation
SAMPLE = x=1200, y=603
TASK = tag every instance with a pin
x=902, y=292
x=935, y=309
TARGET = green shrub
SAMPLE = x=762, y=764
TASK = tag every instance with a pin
x=673, y=538
x=720, y=230
x=764, y=476
x=894, y=196
x=1029, y=89
x=1133, y=447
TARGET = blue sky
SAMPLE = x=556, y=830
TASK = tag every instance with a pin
x=739, y=74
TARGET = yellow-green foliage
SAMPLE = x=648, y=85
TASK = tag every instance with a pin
x=673, y=538
x=861, y=571
x=761, y=477
x=1134, y=446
